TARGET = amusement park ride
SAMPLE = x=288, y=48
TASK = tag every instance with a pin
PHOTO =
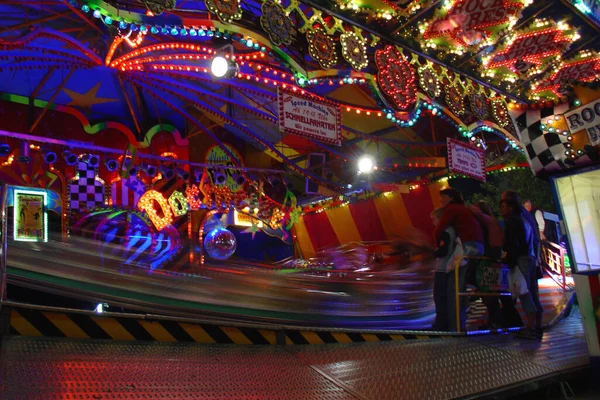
x=259, y=155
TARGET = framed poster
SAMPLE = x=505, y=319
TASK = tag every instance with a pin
x=466, y=160
x=30, y=216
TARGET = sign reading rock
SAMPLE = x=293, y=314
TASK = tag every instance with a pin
x=466, y=160
x=586, y=117
x=314, y=119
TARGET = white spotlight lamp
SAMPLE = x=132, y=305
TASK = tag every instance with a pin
x=222, y=67
x=366, y=165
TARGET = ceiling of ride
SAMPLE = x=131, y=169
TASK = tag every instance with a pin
x=144, y=63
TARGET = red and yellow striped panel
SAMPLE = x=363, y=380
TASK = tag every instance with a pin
x=377, y=219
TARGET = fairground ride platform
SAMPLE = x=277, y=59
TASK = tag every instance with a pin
x=487, y=366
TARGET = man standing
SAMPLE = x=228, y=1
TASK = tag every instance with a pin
x=538, y=216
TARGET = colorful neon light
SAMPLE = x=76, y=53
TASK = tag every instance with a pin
x=146, y=204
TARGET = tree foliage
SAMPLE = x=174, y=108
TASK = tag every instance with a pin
x=523, y=182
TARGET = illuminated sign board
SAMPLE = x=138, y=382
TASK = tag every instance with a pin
x=30, y=216
x=241, y=219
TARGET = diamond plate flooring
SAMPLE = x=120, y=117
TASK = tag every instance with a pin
x=39, y=368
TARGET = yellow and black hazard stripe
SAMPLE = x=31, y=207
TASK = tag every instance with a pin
x=44, y=323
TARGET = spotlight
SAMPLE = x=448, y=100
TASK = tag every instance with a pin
x=366, y=164
x=133, y=171
x=198, y=175
x=70, y=158
x=4, y=149
x=183, y=174
x=50, y=157
x=111, y=165
x=93, y=161
x=239, y=179
x=221, y=67
x=24, y=156
x=151, y=171
x=167, y=173
x=220, y=178
x=275, y=181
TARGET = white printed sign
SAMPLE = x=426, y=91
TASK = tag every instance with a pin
x=586, y=117
x=466, y=160
x=314, y=119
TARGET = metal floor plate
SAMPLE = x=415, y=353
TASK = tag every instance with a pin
x=39, y=368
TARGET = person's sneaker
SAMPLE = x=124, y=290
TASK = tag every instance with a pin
x=527, y=334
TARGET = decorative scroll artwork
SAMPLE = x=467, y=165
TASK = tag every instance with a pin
x=465, y=23
x=226, y=10
x=354, y=50
x=478, y=104
x=500, y=112
x=277, y=24
x=395, y=77
x=321, y=48
x=455, y=99
x=429, y=81
x=528, y=52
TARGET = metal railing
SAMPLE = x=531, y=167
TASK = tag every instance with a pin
x=3, y=239
x=553, y=259
x=458, y=293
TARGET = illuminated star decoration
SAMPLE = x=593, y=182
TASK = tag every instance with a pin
x=585, y=67
x=529, y=51
x=468, y=22
x=252, y=229
x=88, y=99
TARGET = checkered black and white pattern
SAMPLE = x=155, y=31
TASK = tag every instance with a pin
x=545, y=151
x=86, y=192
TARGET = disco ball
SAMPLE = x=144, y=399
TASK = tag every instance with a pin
x=220, y=243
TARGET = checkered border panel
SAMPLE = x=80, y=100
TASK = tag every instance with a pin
x=546, y=151
x=86, y=192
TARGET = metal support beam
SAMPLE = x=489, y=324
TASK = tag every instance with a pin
x=33, y=22
x=82, y=16
x=129, y=106
x=51, y=101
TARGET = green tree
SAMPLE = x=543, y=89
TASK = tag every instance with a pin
x=523, y=182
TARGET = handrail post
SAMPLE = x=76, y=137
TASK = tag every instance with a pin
x=456, y=294
x=564, y=272
x=3, y=239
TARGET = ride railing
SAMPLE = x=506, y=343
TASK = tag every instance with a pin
x=491, y=280
x=553, y=260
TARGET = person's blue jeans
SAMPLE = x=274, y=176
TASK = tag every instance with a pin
x=530, y=301
x=444, y=297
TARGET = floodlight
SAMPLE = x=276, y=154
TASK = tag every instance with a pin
x=366, y=164
x=223, y=67
x=70, y=158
